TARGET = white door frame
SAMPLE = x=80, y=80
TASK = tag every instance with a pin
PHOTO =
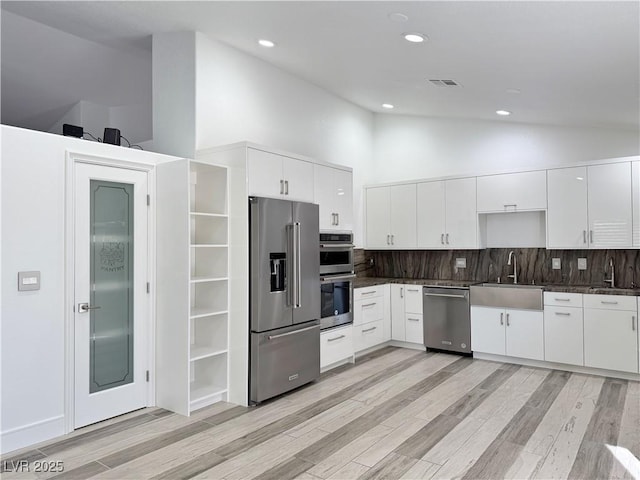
x=73, y=158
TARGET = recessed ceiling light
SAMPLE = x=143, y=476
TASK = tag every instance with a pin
x=414, y=37
x=504, y=113
x=266, y=43
x=388, y=106
x=398, y=17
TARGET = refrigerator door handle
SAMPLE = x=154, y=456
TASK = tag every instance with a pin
x=296, y=264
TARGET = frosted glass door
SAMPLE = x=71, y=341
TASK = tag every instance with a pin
x=111, y=285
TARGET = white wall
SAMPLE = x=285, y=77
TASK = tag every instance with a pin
x=32, y=328
x=240, y=97
x=407, y=147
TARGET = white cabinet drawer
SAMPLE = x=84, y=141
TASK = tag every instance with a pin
x=335, y=345
x=610, y=302
x=368, y=292
x=563, y=299
x=413, y=299
x=413, y=328
x=369, y=310
x=367, y=335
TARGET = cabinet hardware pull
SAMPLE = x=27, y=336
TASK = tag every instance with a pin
x=633, y=323
x=507, y=319
x=604, y=302
x=562, y=299
x=566, y=314
x=337, y=219
x=584, y=237
x=413, y=289
x=414, y=319
x=591, y=236
x=442, y=238
x=335, y=338
x=401, y=292
x=281, y=187
x=502, y=319
x=286, y=187
x=447, y=239
x=369, y=304
x=368, y=293
x=369, y=329
x=514, y=205
x=388, y=240
x=392, y=235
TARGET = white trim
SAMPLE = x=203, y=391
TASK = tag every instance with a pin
x=557, y=366
x=32, y=433
x=72, y=158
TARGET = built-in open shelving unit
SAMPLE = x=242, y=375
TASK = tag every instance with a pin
x=193, y=285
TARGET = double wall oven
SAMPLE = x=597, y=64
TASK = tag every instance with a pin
x=336, y=279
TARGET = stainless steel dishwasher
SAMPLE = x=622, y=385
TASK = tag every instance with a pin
x=446, y=319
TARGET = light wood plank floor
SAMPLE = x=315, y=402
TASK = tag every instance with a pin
x=396, y=414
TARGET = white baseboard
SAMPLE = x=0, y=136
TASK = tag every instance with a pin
x=557, y=366
x=31, y=434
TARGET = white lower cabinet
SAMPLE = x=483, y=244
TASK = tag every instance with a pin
x=406, y=313
x=371, y=317
x=563, y=335
x=336, y=345
x=515, y=333
x=611, y=332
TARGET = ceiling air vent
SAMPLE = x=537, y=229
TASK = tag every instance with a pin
x=444, y=83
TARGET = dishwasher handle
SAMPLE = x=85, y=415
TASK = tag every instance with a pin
x=449, y=295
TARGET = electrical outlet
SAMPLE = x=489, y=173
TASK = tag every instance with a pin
x=461, y=262
x=555, y=263
x=582, y=264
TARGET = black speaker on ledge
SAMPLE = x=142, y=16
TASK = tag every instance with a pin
x=69, y=130
x=112, y=136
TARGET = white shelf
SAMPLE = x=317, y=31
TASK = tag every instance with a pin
x=203, y=312
x=206, y=395
x=200, y=353
x=209, y=245
x=207, y=279
x=204, y=214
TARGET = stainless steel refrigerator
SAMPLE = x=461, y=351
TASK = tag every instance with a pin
x=284, y=292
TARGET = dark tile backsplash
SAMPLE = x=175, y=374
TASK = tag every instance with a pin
x=534, y=265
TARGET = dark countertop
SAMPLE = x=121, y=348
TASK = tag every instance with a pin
x=361, y=282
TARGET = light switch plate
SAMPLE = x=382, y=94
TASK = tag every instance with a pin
x=582, y=264
x=28, y=281
x=461, y=262
x=555, y=263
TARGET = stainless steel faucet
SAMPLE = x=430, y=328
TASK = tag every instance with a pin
x=611, y=280
x=515, y=267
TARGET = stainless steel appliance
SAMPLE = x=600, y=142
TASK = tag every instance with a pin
x=336, y=269
x=284, y=286
x=446, y=319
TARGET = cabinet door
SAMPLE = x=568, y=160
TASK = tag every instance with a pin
x=431, y=215
x=488, y=330
x=636, y=203
x=264, y=172
x=414, y=332
x=610, y=340
x=403, y=216
x=461, y=219
x=567, y=208
x=397, y=312
x=343, y=198
x=563, y=335
x=413, y=299
x=512, y=192
x=524, y=334
x=609, y=188
x=377, y=217
x=298, y=176
x=386, y=319
x=323, y=188
x=335, y=345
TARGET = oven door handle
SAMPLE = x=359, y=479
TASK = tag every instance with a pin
x=336, y=245
x=337, y=277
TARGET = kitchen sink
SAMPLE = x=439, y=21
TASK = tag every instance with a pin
x=507, y=295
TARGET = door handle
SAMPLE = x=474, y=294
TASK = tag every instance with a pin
x=401, y=292
x=501, y=318
x=507, y=319
x=281, y=187
x=369, y=329
x=388, y=240
x=442, y=238
x=298, y=263
x=591, y=236
x=566, y=314
x=273, y=337
x=447, y=239
x=286, y=187
x=337, y=219
x=392, y=235
x=85, y=307
x=584, y=237
x=335, y=338
x=633, y=323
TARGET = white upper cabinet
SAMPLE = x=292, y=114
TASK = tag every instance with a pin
x=333, y=192
x=512, y=192
x=609, y=205
x=391, y=217
x=635, y=169
x=446, y=214
x=567, y=218
x=278, y=176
